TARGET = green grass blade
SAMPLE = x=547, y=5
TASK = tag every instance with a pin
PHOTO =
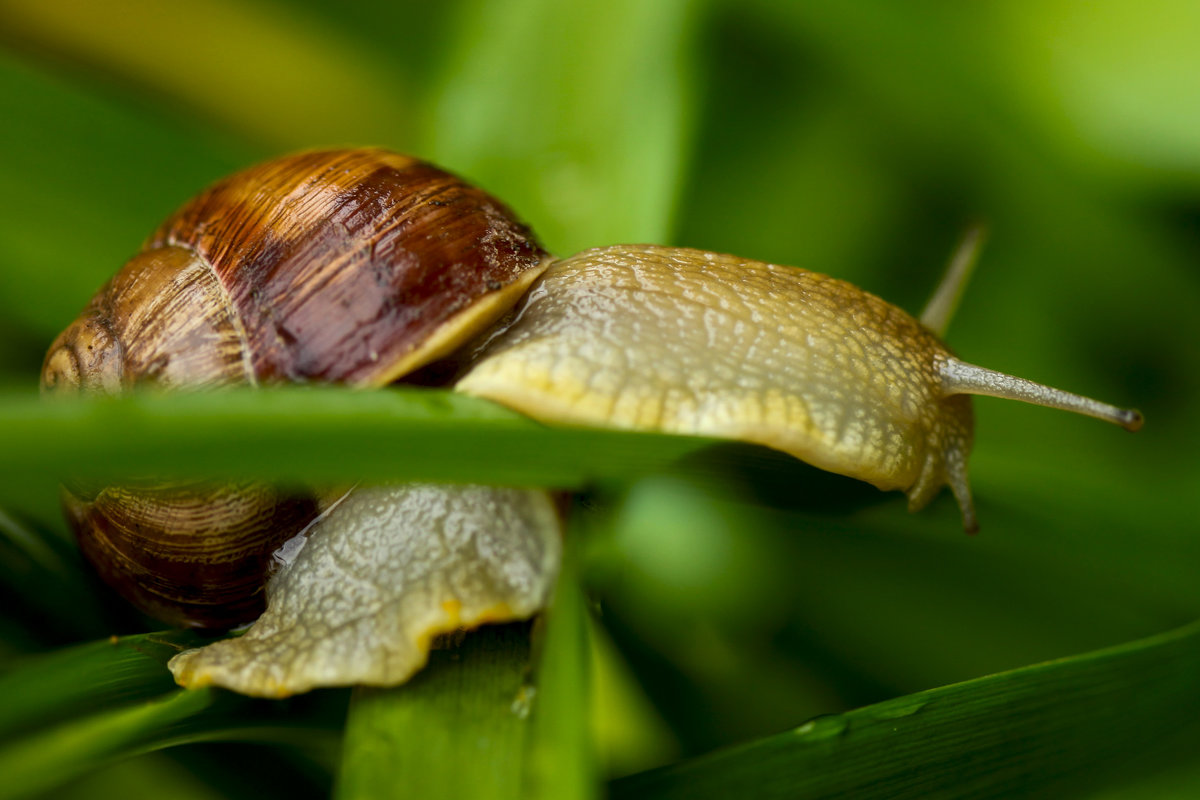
x=38, y=552
x=79, y=709
x=397, y=434
x=49, y=758
x=48, y=577
x=457, y=729
x=579, y=110
x=58, y=754
x=78, y=680
x=561, y=762
x=1004, y=735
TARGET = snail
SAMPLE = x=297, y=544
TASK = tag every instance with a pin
x=359, y=267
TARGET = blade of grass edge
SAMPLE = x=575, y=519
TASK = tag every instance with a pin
x=1003, y=735
x=398, y=434
x=54, y=756
x=78, y=680
x=561, y=757
x=452, y=731
x=474, y=724
x=76, y=710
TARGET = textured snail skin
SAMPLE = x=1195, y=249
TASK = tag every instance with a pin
x=374, y=583
x=349, y=266
x=685, y=341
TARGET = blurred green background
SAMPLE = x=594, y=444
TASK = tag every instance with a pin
x=738, y=593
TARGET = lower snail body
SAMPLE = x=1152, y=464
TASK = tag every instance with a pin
x=362, y=597
x=360, y=266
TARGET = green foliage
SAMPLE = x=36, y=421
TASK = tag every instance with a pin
x=457, y=712
x=959, y=740
x=737, y=593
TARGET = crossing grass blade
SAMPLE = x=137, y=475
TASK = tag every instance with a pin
x=1015, y=734
x=560, y=757
x=313, y=434
x=75, y=710
x=79, y=680
x=48, y=758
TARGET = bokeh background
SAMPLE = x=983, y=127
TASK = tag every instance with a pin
x=739, y=593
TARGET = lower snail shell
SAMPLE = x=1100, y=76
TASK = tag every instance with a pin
x=191, y=554
x=360, y=266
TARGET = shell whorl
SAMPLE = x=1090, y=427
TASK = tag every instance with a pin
x=344, y=265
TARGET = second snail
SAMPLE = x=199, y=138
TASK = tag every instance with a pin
x=361, y=266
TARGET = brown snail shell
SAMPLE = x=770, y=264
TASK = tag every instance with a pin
x=350, y=266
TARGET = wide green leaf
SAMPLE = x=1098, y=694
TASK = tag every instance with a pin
x=1016, y=734
x=79, y=680
x=401, y=434
x=75, y=710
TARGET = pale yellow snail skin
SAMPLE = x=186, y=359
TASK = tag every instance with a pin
x=361, y=597
x=676, y=340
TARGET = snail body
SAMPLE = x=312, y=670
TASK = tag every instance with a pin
x=685, y=341
x=360, y=266
x=739, y=349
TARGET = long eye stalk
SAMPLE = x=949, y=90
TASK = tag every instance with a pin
x=941, y=306
x=959, y=377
